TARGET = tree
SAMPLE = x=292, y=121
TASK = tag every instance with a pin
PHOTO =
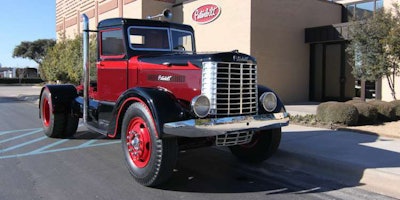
x=374, y=49
x=35, y=50
x=63, y=62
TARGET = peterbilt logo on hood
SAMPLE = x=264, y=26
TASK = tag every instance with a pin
x=166, y=78
x=206, y=13
x=241, y=58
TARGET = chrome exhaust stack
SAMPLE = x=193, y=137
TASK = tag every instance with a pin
x=86, y=67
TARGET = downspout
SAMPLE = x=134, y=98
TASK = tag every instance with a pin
x=86, y=67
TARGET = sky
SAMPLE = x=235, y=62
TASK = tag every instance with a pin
x=24, y=20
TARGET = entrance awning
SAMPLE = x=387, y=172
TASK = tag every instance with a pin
x=326, y=34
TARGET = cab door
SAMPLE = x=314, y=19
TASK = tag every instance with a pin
x=112, y=67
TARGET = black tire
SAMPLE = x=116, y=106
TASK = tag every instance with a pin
x=263, y=145
x=56, y=125
x=155, y=158
x=71, y=125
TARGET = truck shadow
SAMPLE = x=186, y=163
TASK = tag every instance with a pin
x=215, y=170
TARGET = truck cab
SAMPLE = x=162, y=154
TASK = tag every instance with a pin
x=158, y=95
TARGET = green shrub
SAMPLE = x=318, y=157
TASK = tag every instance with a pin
x=396, y=104
x=337, y=113
x=18, y=81
x=354, y=101
x=386, y=110
x=367, y=113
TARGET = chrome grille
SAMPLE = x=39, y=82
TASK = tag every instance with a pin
x=236, y=89
x=232, y=139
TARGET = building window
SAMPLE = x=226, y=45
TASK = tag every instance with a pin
x=363, y=10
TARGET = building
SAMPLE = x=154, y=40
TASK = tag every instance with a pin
x=298, y=43
x=7, y=72
x=28, y=72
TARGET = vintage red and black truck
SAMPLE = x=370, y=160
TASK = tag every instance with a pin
x=160, y=96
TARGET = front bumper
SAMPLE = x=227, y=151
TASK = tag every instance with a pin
x=220, y=126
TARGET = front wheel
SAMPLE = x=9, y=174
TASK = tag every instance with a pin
x=263, y=145
x=150, y=160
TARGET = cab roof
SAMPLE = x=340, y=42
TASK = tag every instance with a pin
x=117, y=22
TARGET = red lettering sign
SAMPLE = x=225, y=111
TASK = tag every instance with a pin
x=206, y=13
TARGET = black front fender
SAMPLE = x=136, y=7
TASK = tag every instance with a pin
x=279, y=108
x=163, y=106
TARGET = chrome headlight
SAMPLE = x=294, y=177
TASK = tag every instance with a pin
x=269, y=101
x=201, y=106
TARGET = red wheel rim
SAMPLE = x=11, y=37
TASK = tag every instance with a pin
x=46, y=112
x=138, y=142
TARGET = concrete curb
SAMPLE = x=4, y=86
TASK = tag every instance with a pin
x=350, y=174
x=29, y=98
x=369, y=133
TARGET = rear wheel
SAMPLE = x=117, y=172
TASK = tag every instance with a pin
x=150, y=160
x=56, y=125
x=263, y=145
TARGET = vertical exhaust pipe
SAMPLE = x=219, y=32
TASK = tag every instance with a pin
x=86, y=67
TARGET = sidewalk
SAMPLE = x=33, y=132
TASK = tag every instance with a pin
x=367, y=161
x=371, y=162
x=304, y=108
x=23, y=93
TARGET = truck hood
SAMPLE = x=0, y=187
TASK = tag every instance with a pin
x=183, y=59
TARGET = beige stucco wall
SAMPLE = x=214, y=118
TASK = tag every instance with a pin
x=277, y=41
x=386, y=92
x=388, y=4
x=152, y=8
x=133, y=10
x=270, y=30
x=228, y=32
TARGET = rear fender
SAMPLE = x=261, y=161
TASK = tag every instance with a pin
x=162, y=105
x=62, y=97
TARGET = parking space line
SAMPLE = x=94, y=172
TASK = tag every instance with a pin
x=80, y=147
x=88, y=143
x=20, y=136
x=21, y=130
x=35, y=152
x=23, y=144
x=49, y=146
x=43, y=149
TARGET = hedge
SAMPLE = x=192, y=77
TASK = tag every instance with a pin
x=386, y=110
x=396, y=104
x=367, y=113
x=337, y=113
x=23, y=80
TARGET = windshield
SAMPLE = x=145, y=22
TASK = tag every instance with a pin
x=182, y=40
x=160, y=39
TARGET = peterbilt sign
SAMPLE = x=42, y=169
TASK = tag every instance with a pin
x=206, y=13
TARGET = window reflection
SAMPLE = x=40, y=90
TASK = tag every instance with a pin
x=363, y=10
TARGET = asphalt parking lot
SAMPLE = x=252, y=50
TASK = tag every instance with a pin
x=312, y=163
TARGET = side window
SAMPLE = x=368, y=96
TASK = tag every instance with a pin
x=112, y=43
